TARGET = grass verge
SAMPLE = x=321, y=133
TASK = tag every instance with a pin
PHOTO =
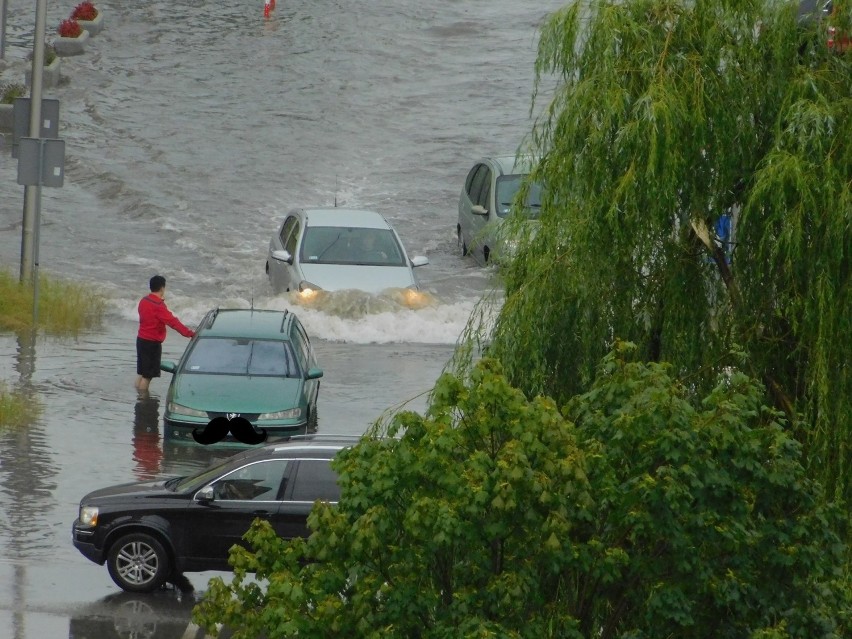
x=64, y=308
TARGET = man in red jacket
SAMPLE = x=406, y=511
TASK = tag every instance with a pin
x=154, y=316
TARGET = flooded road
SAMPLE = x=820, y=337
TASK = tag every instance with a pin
x=191, y=127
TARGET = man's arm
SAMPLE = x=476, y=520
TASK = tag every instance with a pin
x=170, y=320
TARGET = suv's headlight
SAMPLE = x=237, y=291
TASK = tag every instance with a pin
x=88, y=515
x=291, y=413
x=178, y=409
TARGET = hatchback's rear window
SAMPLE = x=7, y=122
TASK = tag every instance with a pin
x=229, y=356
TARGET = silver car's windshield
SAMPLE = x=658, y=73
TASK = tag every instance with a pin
x=507, y=188
x=355, y=246
x=232, y=356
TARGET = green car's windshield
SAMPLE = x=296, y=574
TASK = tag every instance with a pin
x=232, y=356
x=507, y=188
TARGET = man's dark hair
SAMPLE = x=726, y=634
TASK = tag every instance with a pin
x=157, y=282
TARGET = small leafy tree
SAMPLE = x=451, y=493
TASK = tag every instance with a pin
x=652, y=515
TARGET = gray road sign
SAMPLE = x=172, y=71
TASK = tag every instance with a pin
x=41, y=162
x=21, y=120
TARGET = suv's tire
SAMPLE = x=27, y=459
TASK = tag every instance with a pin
x=138, y=563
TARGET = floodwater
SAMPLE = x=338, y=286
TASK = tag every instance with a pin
x=190, y=128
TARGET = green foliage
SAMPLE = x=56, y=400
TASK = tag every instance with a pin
x=64, y=308
x=665, y=116
x=654, y=514
x=10, y=91
x=17, y=408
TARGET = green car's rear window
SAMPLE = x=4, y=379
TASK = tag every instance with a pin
x=229, y=356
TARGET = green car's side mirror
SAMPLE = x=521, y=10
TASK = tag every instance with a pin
x=314, y=373
x=168, y=366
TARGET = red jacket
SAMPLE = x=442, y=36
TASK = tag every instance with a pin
x=153, y=318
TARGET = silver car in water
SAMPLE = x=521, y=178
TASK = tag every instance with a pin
x=486, y=200
x=332, y=249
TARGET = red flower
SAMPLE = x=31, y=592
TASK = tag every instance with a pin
x=69, y=28
x=84, y=11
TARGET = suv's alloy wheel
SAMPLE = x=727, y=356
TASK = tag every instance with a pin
x=138, y=563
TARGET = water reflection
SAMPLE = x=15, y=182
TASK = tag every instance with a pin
x=26, y=493
x=147, y=447
x=160, y=615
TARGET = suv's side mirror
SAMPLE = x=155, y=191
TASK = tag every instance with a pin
x=205, y=495
x=168, y=366
x=282, y=256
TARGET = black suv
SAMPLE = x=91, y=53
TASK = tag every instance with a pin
x=151, y=532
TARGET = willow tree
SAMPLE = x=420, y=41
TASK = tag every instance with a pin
x=665, y=120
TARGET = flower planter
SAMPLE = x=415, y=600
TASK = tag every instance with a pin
x=95, y=26
x=71, y=46
x=7, y=117
x=50, y=75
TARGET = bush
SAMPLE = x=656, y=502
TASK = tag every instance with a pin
x=656, y=512
x=69, y=28
x=84, y=11
x=10, y=91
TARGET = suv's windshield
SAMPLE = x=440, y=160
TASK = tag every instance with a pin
x=195, y=481
x=507, y=188
x=231, y=356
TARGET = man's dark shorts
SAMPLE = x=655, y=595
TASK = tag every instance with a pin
x=148, y=354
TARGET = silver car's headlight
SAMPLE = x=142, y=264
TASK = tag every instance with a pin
x=290, y=413
x=307, y=290
x=179, y=409
x=304, y=285
x=88, y=515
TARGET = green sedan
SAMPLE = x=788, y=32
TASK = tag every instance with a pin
x=250, y=363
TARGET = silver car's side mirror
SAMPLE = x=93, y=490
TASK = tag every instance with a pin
x=282, y=256
x=419, y=260
x=478, y=209
x=205, y=495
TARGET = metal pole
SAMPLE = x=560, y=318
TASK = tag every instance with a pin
x=41, y=143
x=3, y=4
x=30, y=192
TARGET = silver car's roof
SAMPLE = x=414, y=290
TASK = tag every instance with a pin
x=512, y=165
x=346, y=217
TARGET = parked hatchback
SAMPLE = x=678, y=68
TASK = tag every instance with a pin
x=151, y=532
x=250, y=363
x=486, y=200
x=335, y=249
